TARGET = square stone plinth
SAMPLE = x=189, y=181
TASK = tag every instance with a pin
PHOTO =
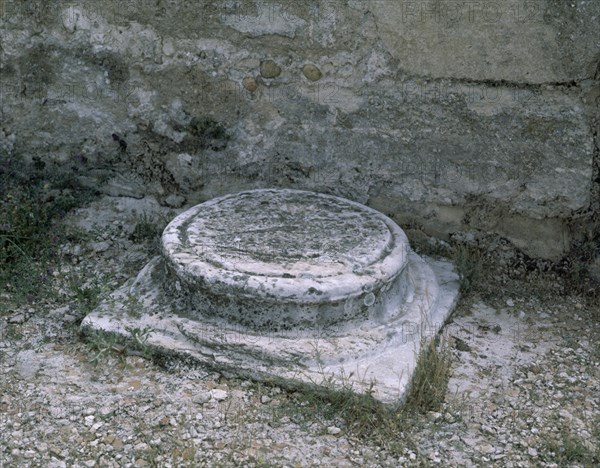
x=378, y=356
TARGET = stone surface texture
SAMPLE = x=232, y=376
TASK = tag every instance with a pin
x=289, y=286
x=453, y=117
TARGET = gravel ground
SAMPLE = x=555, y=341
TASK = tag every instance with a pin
x=524, y=391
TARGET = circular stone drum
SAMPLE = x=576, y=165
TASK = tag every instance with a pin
x=286, y=259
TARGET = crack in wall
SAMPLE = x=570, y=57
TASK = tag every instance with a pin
x=504, y=83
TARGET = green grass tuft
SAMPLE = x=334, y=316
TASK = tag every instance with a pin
x=33, y=203
x=469, y=265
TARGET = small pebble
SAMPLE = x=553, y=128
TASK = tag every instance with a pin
x=250, y=84
x=312, y=72
x=218, y=394
x=17, y=319
x=269, y=69
x=100, y=247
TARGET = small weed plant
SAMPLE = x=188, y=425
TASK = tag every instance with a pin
x=582, y=264
x=104, y=344
x=469, y=265
x=147, y=228
x=430, y=381
x=570, y=450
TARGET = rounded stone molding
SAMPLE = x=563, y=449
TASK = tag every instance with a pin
x=279, y=259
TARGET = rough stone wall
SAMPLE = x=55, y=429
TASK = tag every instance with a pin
x=454, y=117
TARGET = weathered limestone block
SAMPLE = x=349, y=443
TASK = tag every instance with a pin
x=541, y=41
